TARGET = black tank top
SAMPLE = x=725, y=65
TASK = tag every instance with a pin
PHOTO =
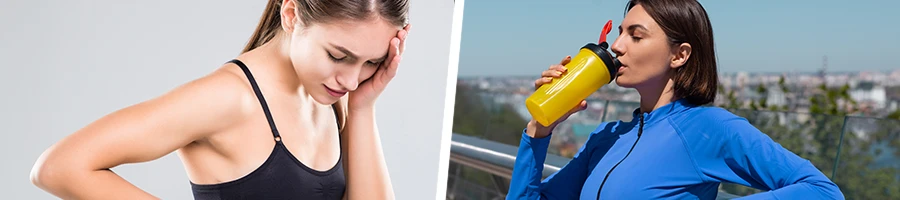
x=281, y=176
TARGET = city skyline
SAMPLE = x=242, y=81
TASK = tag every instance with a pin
x=876, y=93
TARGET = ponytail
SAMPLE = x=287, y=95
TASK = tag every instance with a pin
x=268, y=26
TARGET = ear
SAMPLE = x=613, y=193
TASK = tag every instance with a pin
x=288, y=15
x=681, y=53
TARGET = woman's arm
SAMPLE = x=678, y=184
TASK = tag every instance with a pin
x=77, y=167
x=527, y=173
x=753, y=159
x=367, y=173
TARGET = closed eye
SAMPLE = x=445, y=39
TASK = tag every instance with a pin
x=634, y=35
x=335, y=59
x=636, y=29
x=373, y=64
x=377, y=62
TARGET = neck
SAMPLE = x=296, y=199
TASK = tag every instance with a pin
x=274, y=60
x=657, y=95
x=274, y=70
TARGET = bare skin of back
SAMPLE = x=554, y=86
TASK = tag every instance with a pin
x=215, y=123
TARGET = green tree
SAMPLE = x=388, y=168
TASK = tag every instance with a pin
x=495, y=122
x=894, y=115
x=731, y=101
x=762, y=103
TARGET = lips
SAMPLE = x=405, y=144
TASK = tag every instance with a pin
x=622, y=66
x=335, y=93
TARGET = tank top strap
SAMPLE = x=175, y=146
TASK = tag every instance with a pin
x=259, y=95
x=340, y=126
x=337, y=116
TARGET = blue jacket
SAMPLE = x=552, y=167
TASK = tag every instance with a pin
x=678, y=151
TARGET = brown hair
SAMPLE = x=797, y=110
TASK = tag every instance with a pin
x=685, y=21
x=323, y=11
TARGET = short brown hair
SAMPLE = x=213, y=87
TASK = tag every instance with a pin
x=685, y=21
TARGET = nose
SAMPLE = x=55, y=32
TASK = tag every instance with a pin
x=349, y=79
x=617, y=47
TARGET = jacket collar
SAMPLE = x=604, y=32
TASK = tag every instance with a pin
x=661, y=113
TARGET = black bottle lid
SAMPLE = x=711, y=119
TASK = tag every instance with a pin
x=611, y=63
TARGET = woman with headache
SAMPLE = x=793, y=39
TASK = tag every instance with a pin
x=291, y=117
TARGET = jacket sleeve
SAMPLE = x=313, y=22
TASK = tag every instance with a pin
x=753, y=159
x=526, y=177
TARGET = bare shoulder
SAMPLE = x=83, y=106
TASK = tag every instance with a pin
x=223, y=96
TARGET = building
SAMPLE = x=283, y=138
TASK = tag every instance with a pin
x=867, y=94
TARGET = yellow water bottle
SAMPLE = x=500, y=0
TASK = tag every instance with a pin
x=592, y=68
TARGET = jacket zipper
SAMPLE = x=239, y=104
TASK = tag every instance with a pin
x=640, y=131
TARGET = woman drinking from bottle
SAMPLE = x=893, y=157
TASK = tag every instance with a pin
x=674, y=147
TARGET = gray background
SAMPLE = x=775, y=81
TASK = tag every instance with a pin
x=64, y=64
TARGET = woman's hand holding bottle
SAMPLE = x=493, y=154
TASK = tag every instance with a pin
x=535, y=129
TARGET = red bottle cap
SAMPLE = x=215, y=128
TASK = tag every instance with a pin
x=606, y=29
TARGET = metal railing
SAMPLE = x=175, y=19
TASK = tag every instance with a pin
x=498, y=159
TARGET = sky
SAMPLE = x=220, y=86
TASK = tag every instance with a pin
x=524, y=37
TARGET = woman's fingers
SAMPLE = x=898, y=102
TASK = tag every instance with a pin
x=541, y=81
x=391, y=69
x=555, y=73
x=402, y=35
x=581, y=106
x=565, y=60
